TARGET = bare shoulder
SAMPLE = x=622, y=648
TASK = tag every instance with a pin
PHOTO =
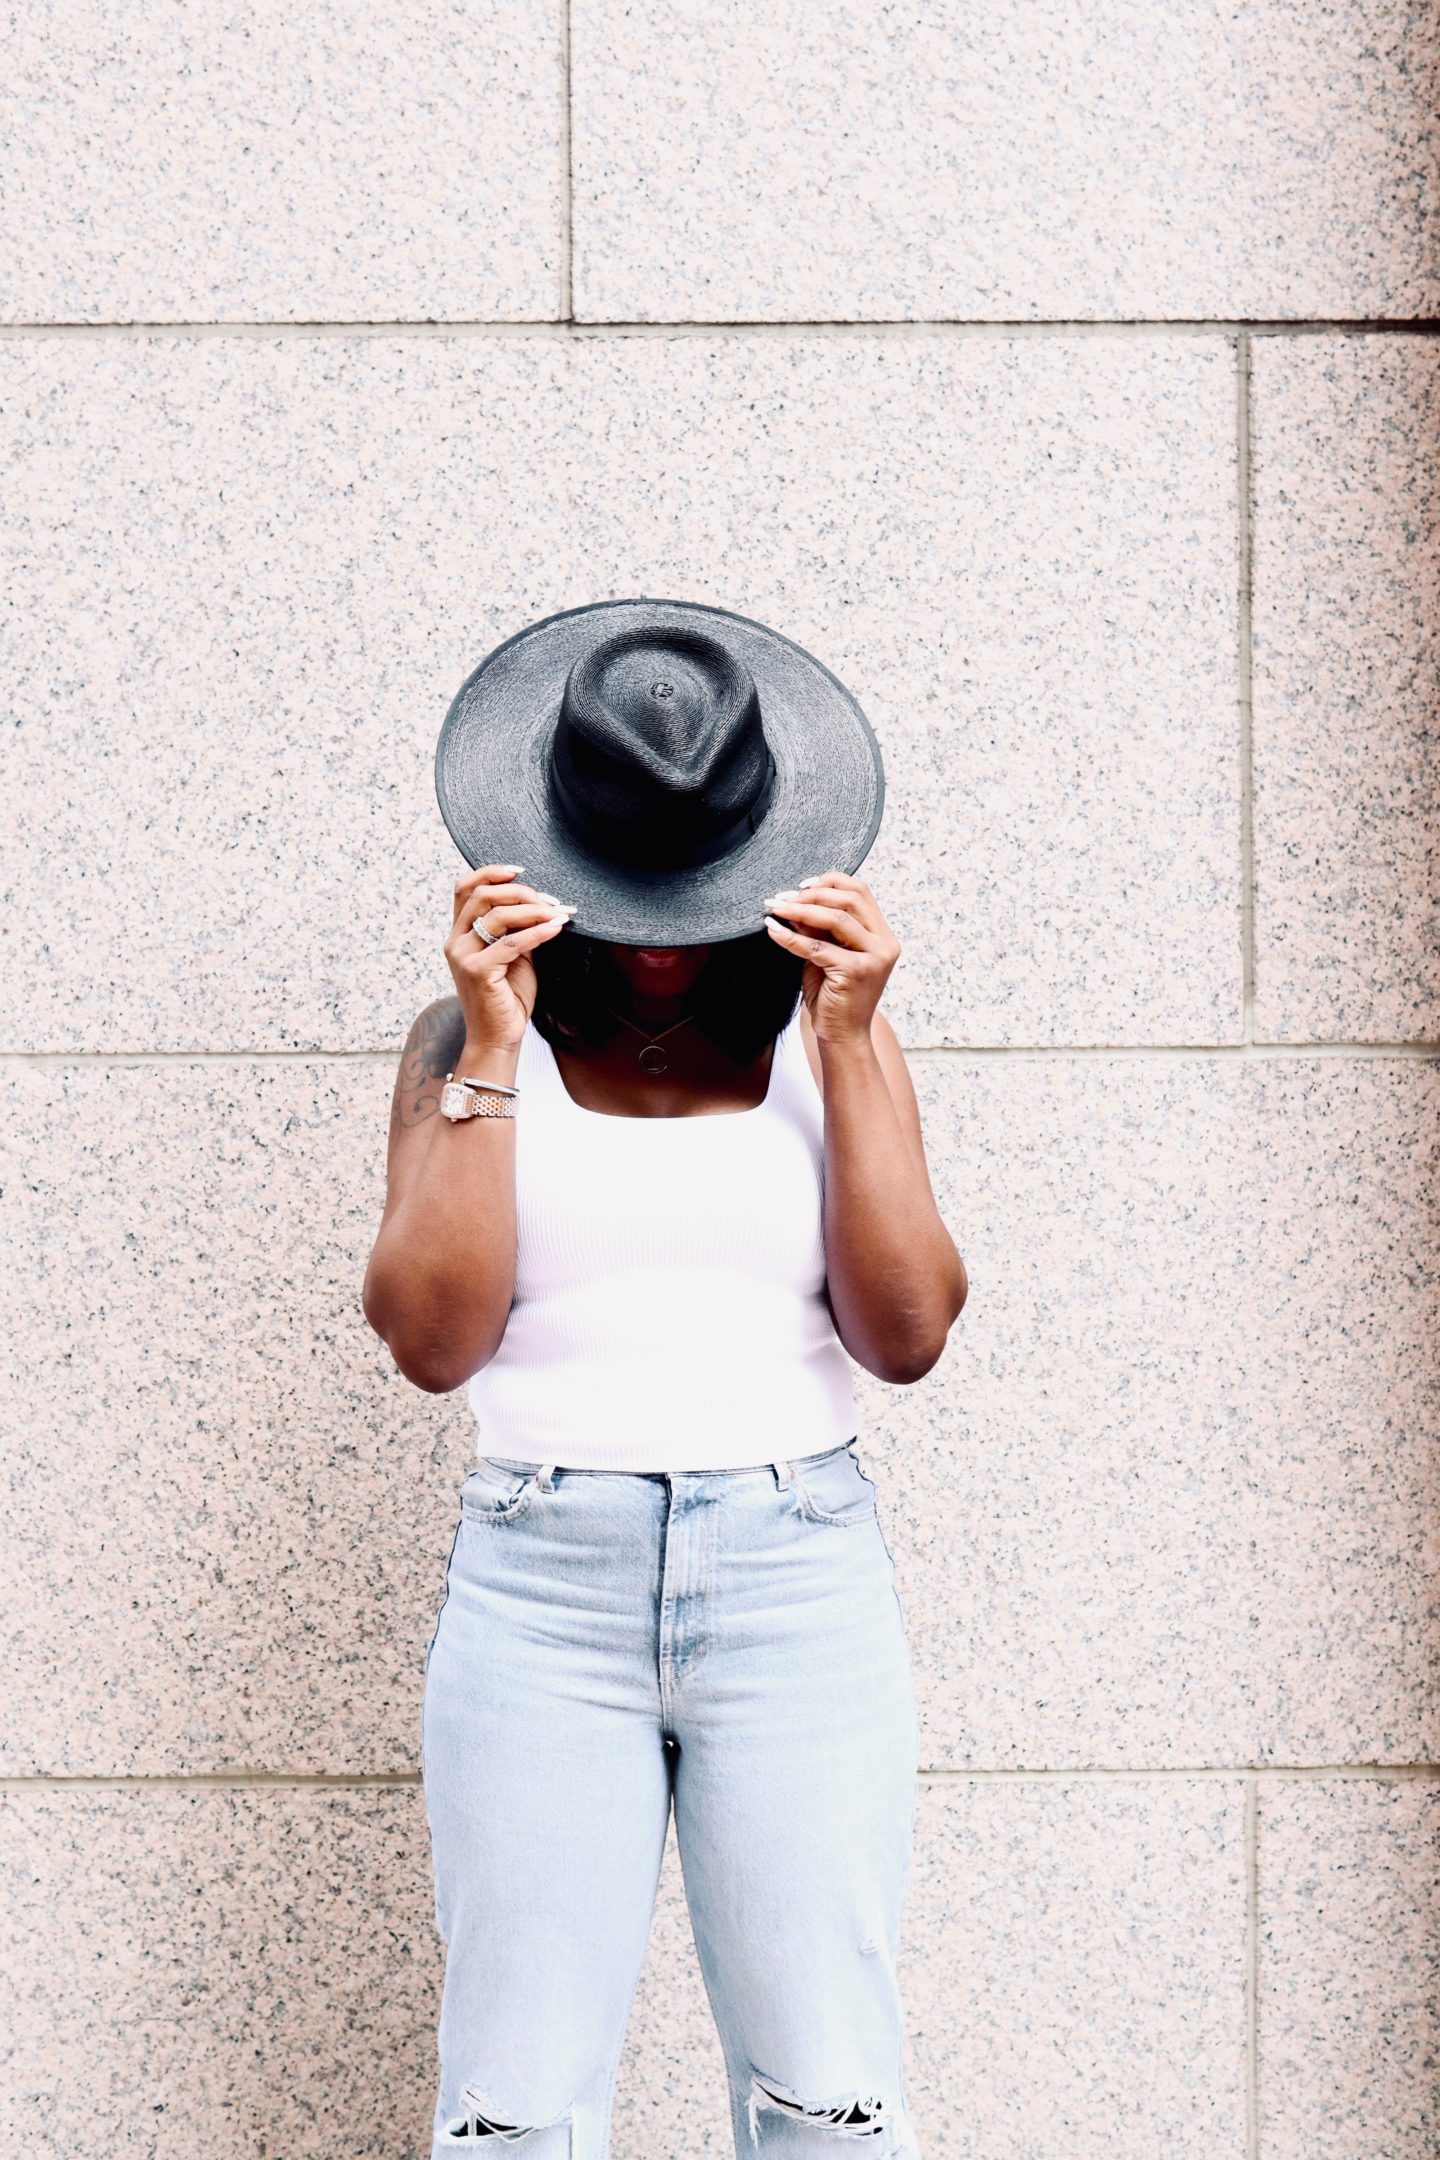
x=892, y=1064
x=431, y=1048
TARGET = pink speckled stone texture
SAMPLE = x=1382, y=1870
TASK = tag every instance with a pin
x=227, y=1515
x=1066, y=380
x=1076, y=1986
x=217, y=1971
x=254, y=1971
x=1345, y=435
x=1170, y=1497
x=749, y=160
x=207, y=163
x=248, y=575
x=1349, y=2009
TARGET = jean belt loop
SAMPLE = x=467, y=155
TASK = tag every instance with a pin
x=545, y=1477
x=784, y=1474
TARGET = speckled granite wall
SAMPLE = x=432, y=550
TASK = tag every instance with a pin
x=1068, y=381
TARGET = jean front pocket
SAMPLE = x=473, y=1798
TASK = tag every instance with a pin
x=494, y=1494
x=835, y=1489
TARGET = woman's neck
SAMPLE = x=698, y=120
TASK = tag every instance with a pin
x=647, y=1010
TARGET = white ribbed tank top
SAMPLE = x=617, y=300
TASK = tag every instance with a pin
x=669, y=1309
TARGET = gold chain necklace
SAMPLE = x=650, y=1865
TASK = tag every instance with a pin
x=652, y=1058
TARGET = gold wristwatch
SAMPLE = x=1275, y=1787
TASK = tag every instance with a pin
x=476, y=1098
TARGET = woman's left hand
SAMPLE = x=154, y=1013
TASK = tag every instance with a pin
x=834, y=924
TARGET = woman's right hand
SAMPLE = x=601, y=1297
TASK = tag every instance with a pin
x=497, y=983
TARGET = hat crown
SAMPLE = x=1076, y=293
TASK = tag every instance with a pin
x=659, y=757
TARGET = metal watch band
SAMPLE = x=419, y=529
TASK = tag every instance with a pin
x=483, y=1105
x=460, y=1099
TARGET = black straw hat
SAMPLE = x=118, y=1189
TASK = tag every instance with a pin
x=663, y=765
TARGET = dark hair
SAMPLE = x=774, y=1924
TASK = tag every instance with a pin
x=745, y=993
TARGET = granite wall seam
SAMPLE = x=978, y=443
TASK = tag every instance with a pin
x=1244, y=687
x=567, y=328
x=1252, y=1968
x=1255, y=1776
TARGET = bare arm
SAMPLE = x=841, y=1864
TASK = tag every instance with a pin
x=895, y=1279
x=441, y=1276
x=442, y=1272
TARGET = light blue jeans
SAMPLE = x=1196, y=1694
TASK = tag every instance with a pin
x=613, y=1641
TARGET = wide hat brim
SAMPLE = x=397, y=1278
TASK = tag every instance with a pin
x=492, y=779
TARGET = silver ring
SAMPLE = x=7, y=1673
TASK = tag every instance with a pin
x=478, y=926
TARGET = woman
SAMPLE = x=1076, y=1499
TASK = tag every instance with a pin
x=691, y=1196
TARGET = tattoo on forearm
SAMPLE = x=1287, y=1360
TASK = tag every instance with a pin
x=434, y=1043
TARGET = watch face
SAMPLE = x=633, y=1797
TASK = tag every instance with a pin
x=454, y=1100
